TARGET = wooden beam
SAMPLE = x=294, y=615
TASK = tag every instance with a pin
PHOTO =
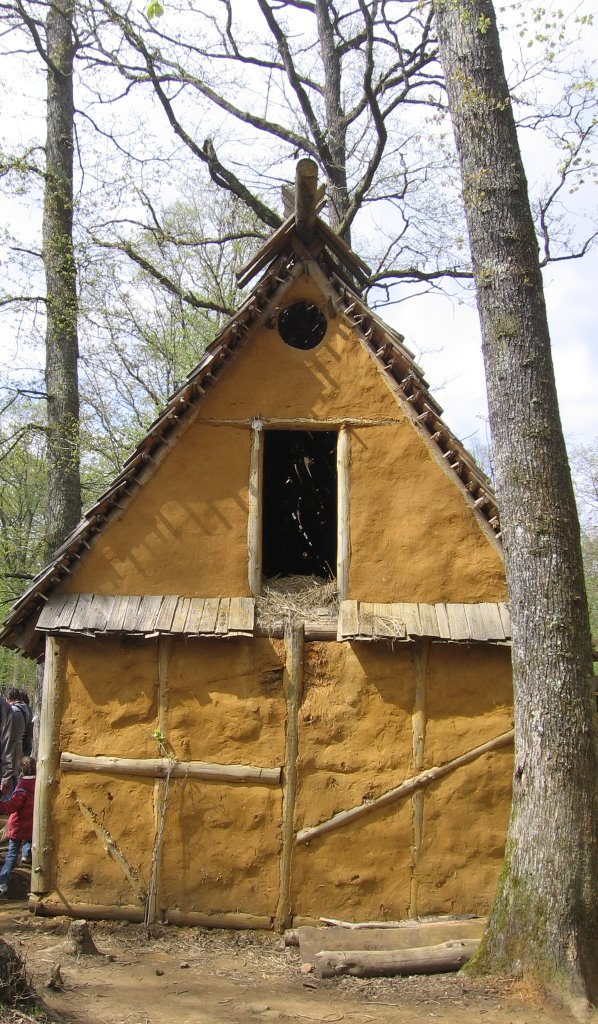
x=306, y=188
x=293, y=686
x=406, y=934
x=157, y=768
x=88, y=911
x=48, y=760
x=405, y=789
x=419, y=721
x=160, y=785
x=113, y=851
x=255, y=496
x=447, y=956
x=343, y=555
x=190, y=919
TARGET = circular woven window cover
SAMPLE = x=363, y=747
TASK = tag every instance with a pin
x=302, y=325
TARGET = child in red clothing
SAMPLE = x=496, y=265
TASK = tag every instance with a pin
x=19, y=827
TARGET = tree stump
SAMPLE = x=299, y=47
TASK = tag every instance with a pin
x=79, y=941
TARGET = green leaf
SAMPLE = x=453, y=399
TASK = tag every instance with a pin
x=154, y=9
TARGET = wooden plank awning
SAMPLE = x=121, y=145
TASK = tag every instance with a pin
x=482, y=622
x=168, y=614
x=171, y=615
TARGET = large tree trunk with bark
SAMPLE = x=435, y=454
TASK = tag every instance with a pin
x=63, y=507
x=545, y=919
x=336, y=124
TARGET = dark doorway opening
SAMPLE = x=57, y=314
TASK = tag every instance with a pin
x=299, y=520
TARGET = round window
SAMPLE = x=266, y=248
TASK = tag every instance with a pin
x=302, y=325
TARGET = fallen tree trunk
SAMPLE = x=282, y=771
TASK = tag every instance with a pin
x=363, y=963
x=416, y=935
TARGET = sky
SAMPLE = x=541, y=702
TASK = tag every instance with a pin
x=445, y=336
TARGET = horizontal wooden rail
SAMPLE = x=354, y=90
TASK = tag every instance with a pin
x=160, y=767
x=52, y=907
x=405, y=789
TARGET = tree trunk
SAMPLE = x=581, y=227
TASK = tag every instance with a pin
x=336, y=127
x=545, y=917
x=63, y=509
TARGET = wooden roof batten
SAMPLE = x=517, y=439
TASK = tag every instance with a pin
x=303, y=244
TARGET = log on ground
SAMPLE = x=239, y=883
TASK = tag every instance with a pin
x=363, y=963
x=408, y=935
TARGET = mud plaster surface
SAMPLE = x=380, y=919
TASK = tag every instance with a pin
x=413, y=535
x=422, y=540
x=225, y=702
x=185, y=530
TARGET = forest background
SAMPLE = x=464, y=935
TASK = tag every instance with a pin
x=187, y=122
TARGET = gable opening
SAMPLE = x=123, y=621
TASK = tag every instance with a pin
x=302, y=325
x=299, y=510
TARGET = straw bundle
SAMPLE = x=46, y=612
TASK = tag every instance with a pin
x=289, y=598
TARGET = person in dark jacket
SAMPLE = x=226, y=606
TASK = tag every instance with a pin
x=8, y=764
x=19, y=700
x=19, y=827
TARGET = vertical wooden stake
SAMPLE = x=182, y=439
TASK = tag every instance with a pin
x=254, y=523
x=48, y=766
x=343, y=554
x=293, y=684
x=419, y=721
x=152, y=909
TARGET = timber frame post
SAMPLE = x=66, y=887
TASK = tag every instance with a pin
x=48, y=766
x=254, y=521
x=293, y=684
x=419, y=723
x=152, y=909
x=343, y=556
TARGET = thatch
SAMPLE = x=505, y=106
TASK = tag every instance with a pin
x=291, y=598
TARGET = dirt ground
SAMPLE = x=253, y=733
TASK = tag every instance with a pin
x=188, y=976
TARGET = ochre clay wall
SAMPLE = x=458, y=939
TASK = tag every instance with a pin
x=224, y=701
x=109, y=707
x=469, y=701
x=413, y=538
x=222, y=839
x=268, y=378
x=223, y=704
x=356, y=743
x=413, y=535
x=185, y=531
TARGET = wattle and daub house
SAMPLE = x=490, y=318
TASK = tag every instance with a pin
x=277, y=667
